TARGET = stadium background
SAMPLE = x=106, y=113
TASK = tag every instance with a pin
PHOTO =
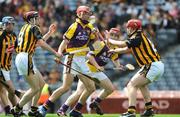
x=160, y=19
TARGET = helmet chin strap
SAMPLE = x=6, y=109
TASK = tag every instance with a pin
x=132, y=33
x=32, y=22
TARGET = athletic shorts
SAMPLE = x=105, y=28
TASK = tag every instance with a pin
x=24, y=63
x=77, y=63
x=153, y=71
x=98, y=75
x=5, y=74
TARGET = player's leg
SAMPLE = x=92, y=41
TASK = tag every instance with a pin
x=67, y=82
x=11, y=90
x=148, y=104
x=132, y=87
x=25, y=67
x=34, y=106
x=11, y=94
x=72, y=99
x=4, y=99
x=89, y=89
x=108, y=88
x=155, y=72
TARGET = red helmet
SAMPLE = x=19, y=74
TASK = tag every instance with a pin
x=115, y=31
x=134, y=24
x=85, y=9
x=31, y=14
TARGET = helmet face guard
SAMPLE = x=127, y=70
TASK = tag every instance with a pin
x=8, y=20
x=29, y=15
x=133, y=25
x=84, y=9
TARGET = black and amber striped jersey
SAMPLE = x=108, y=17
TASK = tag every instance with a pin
x=143, y=49
x=27, y=39
x=7, y=41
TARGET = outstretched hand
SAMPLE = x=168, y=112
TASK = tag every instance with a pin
x=52, y=28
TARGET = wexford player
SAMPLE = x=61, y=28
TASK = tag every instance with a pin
x=78, y=36
x=97, y=59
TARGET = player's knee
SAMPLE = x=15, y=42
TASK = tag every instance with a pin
x=65, y=88
x=36, y=90
x=109, y=91
x=131, y=84
x=79, y=92
x=91, y=89
x=42, y=85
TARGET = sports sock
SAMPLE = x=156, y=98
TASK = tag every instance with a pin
x=64, y=107
x=7, y=109
x=48, y=104
x=148, y=106
x=98, y=100
x=34, y=109
x=78, y=106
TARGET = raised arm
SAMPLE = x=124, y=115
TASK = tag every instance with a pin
x=51, y=31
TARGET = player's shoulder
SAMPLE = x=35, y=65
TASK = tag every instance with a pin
x=14, y=34
x=73, y=25
x=90, y=26
x=35, y=28
x=3, y=34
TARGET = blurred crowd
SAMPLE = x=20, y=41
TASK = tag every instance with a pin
x=155, y=14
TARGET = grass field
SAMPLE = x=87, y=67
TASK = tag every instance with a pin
x=106, y=115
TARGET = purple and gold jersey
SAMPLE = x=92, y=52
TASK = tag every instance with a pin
x=101, y=56
x=79, y=35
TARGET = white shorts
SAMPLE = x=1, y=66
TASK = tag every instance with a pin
x=153, y=71
x=98, y=75
x=76, y=62
x=5, y=74
x=24, y=63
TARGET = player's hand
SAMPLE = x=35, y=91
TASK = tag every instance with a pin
x=57, y=60
x=10, y=49
x=100, y=68
x=58, y=55
x=52, y=28
x=121, y=67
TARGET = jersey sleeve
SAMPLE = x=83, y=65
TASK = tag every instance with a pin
x=97, y=50
x=134, y=42
x=37, y=33
x=71, y=31
x=114, y=57
x=92, y=35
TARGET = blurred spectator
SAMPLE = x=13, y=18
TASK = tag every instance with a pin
x=167, y=22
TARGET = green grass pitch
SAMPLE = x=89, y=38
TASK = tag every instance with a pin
x=106, y=115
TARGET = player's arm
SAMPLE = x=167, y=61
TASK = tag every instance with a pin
x=68, y=35
x=120, y=50
x=129, y=42
x=41, y=42
x=63, y=45
x=121, y=44
x=92, y=60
